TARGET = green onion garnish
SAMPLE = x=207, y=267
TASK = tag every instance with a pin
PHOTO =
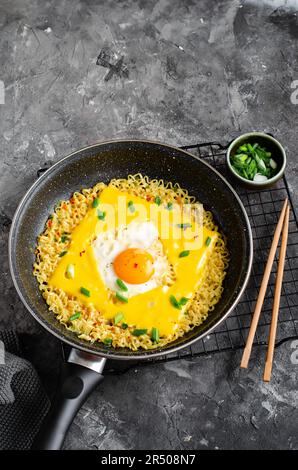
x=70, y=271
x=95, y=203
x=85, y=291
x=101, y=215
x=183, y=301
x=184, y=226
x=155, y=335
x=183, y=254
x=178, y=303
x=108, y=341
x=62, y=253
x=124, y=326
x=139, y=332
x=75, y=316
x=170, y=206
x=131, y=207
x=64, y=238
x=118, y=317
x=121, y=285
x=121, y=297
x=175, y=302
x=208, y=241
x=252, y=162
x=157, y=200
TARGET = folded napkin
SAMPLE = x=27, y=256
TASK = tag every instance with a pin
x=23, y=401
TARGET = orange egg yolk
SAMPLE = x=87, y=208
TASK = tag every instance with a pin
x=134, y=266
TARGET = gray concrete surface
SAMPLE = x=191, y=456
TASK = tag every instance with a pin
x=179, y=72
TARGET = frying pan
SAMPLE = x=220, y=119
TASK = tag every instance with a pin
x=83, y=168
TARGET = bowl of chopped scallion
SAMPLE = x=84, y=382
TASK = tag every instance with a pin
x=256, y=160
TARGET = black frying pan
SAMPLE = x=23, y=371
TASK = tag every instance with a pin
x=83, y=168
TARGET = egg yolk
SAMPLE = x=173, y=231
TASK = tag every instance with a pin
x=134, y=266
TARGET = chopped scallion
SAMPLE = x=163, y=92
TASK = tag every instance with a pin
x=85, y=292
x=139, y=332
x=249, y=160
x=157, y=200
x=178, y=303
x=175, y=302
x=155, y=335
x=121, y=297
x=108, y=341
x=184, y=253
x=183, y=301
x=62, y=253
x=101, y=215
x=273, y=164
x=95, y=202
x=70, y=271
x=184, y=226
x=75, y=316
x=208, y=241
x=260, y=178
x=118, y=317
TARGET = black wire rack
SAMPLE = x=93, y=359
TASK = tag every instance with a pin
x=263, y=208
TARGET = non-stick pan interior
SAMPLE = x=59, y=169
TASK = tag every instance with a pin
x=102, y=162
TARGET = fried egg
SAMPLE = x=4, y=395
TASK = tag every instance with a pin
x=132, y=254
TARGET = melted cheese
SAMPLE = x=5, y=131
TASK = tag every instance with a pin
x=153, y=308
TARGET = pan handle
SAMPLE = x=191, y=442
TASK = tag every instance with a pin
x=78, y=377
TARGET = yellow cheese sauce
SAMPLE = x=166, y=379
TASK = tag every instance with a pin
x=152, y=308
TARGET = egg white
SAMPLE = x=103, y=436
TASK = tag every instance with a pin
x=108, y=245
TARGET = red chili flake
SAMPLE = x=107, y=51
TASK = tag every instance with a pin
x=135, y=265
x=82, y=252
x=50, y=223
x=148, y=198
x=64, y=206
x=72, y=201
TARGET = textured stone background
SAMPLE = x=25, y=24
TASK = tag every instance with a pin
x=179, y=72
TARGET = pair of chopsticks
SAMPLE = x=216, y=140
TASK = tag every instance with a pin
x=282, y=226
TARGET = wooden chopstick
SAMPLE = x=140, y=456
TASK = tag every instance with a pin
x=264, y=284
x=276, y=301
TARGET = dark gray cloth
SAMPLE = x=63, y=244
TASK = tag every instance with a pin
x=23, y=401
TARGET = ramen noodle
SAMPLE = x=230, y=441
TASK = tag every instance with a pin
x=125, y=283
